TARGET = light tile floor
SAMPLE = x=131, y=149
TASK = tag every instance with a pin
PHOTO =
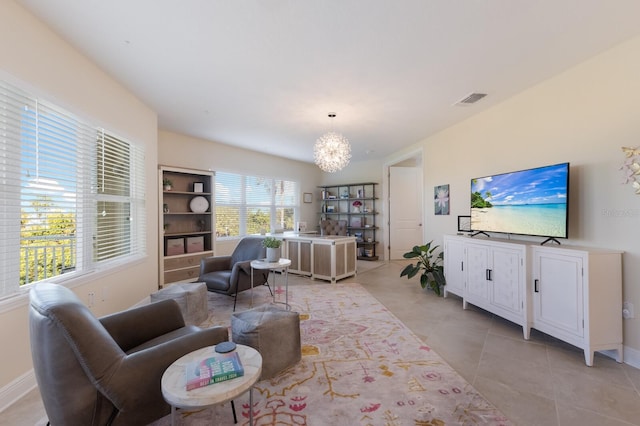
x=542, y=381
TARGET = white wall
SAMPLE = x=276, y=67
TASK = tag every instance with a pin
x=583, y=116
x=34, y=55
x=185, y=151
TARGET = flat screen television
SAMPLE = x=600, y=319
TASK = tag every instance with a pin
x=526, y=202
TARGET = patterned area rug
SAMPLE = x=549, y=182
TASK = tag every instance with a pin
x=360, y=366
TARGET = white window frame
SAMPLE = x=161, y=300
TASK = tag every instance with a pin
x=86, y=141
x=243, y=204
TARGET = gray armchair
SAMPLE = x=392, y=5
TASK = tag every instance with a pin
x=106, y=371
x=232, y=274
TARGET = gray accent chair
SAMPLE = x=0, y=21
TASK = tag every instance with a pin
x=231, y=275
x=106, y=371
x=333, y=227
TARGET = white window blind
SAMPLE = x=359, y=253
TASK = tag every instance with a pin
x=249, y=204
x=120, y=199
x=71, y=194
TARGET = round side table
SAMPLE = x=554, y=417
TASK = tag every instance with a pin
x=280, y=265
x=174, y=386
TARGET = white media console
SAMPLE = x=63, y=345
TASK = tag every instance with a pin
x=571, y=293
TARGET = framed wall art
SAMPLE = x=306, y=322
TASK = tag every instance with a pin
x=441, y=199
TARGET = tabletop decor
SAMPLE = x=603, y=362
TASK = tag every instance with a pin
x=167, y=183
x=272, y=245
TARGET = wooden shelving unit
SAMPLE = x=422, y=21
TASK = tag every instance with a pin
x=186, y=223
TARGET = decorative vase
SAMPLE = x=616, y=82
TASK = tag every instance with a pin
x=273, y=254
x=356, y=209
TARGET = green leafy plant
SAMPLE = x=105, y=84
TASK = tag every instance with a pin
x=167, y=182
x=271, y=242
x=428, y=265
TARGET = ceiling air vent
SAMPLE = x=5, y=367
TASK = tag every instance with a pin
x=471, y=99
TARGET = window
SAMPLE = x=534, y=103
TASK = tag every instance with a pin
x=249, y=204
x=72, y=195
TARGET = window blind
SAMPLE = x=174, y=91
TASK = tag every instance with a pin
x=250, y=204
x=120, y=198
x=72, y=195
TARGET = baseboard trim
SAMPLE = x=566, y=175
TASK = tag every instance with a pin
x=631, y=356
x=17, y=389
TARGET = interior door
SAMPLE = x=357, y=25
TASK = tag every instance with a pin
x=405, y=210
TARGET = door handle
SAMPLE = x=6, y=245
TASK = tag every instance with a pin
x=488, y=275
x=535, y=286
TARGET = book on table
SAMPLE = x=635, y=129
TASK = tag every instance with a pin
x=214, y=369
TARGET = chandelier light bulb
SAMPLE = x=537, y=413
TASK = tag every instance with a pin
x=332, y=151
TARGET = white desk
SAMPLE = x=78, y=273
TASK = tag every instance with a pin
x=280, y=265
x=174, y=382
x=323, y=257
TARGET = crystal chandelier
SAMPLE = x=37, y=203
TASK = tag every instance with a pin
x=332, y=151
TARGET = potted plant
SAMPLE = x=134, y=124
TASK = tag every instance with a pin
x=272, y=245
x=429, y=266
x=356, y=206
x=167, y=183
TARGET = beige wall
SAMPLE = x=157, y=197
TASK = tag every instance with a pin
x=360, y=172
x=583, y=116
x=189, y=152
x=33, y=55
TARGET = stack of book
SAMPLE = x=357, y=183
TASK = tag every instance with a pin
x=214, y=369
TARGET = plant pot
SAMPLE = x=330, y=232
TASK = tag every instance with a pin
x=273, y=254
x=167, y=187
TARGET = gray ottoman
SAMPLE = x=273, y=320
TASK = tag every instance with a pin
x=273, y=332
x=192, y=298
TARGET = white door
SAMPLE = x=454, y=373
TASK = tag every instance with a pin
x=405, y=210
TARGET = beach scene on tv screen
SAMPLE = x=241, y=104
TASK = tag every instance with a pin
x=527, y=202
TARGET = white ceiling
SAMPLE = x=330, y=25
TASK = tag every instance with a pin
x=264, y=74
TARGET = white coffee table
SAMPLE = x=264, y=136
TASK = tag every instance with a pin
x=281, y=265
x=174, y=382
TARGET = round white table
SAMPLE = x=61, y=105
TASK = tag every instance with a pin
x=281, y=265
x=174, y=382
